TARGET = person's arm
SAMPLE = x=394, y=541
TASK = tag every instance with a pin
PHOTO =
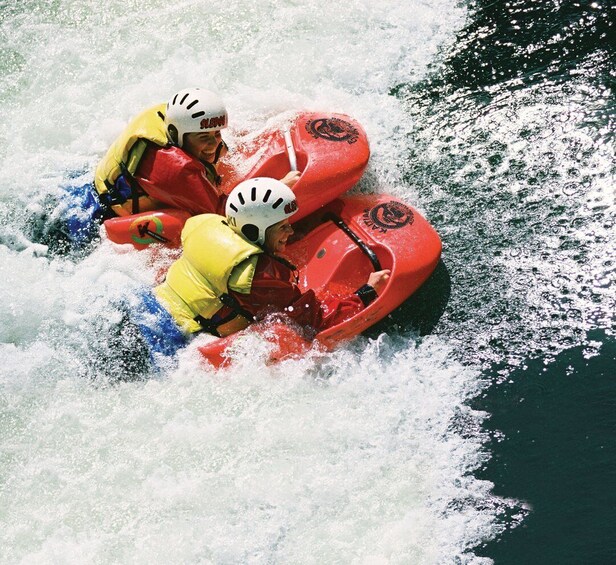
x=291, y=178
x=323, y=314
x=273, y=291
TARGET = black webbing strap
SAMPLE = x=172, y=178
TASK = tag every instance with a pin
x=231, y=302
x=355, y=238
x=134, y=187
x=208, y=326
x=212, y=325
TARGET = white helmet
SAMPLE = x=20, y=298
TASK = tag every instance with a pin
x=193, y=110
x=256, y=204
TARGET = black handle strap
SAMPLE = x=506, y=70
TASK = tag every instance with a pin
x=355, y=238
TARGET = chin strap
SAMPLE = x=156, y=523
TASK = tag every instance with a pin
x=222, y=145
x=210, y=168
x=284, y=262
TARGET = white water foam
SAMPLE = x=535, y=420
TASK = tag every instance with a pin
x=360, y=456
x=357, y=459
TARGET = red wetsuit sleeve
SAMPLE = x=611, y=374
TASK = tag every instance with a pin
x=173, y=177
x=273, y=291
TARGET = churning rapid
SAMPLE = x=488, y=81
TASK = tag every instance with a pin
x=366, y=455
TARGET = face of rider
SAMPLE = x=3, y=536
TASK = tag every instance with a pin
x=276, y=236
x=202, y=145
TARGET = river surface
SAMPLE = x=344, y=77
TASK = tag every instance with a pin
x=474, y=425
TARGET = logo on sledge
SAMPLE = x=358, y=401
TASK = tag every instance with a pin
x=142, y=233
x=388, y=216
x=332, y=129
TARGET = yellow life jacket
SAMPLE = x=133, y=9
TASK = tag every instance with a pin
x=214, y=259
x=126, y=152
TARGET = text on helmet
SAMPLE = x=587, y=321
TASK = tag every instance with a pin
x=290, y=207
x=213, y=123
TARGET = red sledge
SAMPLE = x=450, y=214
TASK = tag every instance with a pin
x=338, y=241
x=331, y=150
x=337, y=247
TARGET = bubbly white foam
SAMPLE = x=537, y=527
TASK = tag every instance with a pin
x=355, y=456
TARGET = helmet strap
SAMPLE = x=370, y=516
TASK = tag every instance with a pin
x=211, y=173
x=284, y=262
x=172, y=132
x=222, y=145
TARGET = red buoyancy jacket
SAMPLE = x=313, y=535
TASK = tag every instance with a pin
x=178, y=180
x=273, y=291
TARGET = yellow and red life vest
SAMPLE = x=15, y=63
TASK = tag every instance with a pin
x=214, y=260
x=126, y=152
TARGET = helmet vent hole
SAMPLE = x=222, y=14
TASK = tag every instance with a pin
x=267, y=195
x=192, y=104
x=174, y=99
x=251, y=232
x=240, y=197
x=253, y=194
x=233, y=207
x=198, y=114
x=184, y=98
x=277, y=203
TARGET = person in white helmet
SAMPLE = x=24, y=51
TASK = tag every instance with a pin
x=167, y=157
x=230, y=272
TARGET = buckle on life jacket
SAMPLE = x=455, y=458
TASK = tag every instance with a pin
x=215, y=323
x=210, y=326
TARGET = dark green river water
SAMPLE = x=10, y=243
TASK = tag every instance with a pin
x=514, y=154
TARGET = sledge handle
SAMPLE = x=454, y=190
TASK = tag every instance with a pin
x=290, y=150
